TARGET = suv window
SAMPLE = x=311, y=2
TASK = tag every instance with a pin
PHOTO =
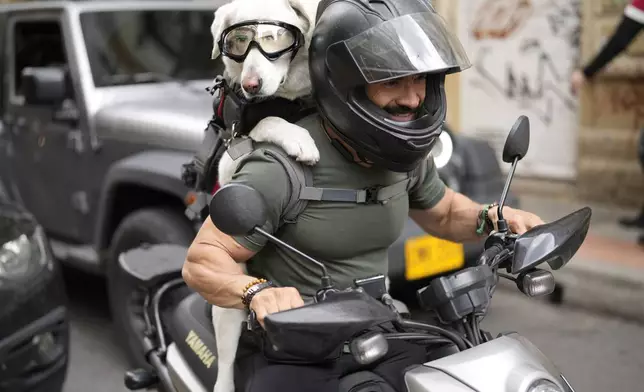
x=3, y=34
x=36, y=44
x=139, y=46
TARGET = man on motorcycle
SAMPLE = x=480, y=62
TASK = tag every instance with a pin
x=378, y=71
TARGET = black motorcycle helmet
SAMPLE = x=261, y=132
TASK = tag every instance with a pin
x=357, y=42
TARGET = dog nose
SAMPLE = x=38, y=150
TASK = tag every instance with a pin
x=252, y=85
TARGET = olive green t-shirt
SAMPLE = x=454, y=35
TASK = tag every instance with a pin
x=352, y=240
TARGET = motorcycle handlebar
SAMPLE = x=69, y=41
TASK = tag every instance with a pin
x=460, y=342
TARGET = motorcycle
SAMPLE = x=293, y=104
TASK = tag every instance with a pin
x=179, y=341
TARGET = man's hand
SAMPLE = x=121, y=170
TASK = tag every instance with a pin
x=577, y=81
x=273, y=300
x=519, y=221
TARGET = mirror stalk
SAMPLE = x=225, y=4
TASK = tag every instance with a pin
x=327, y=283
x=502, y=225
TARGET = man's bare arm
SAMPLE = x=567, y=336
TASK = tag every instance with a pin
x=455, y=218
x=452, y=218
x=211, y=267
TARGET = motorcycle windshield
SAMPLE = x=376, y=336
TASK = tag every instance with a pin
x=407, y=45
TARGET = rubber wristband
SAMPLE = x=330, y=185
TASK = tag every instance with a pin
x=484, y=223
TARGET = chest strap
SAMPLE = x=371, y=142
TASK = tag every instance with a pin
x=370, y=195
x=301, y=178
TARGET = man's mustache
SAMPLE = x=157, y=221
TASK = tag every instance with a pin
x=396, y=110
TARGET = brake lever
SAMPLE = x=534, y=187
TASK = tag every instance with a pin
x=252, y=324
x=500, y=258
x=490, y=254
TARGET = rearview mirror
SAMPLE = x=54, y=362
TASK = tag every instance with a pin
x=44, y=85
x=515, y=148
x=554, y=242
x=236, y=209
x=518, y=140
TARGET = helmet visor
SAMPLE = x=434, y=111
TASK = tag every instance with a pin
x=407, y=45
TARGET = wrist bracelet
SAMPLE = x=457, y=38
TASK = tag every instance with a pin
x=487, y=216
x=484, y=222
x=253, y=288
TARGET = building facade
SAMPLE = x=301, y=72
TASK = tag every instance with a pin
x=522, y=53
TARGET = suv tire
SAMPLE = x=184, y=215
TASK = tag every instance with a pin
x=151, y=226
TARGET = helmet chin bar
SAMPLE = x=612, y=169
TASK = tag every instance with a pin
x=412, y=129
x=413, y=144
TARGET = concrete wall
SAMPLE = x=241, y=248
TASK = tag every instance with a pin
x=611, y=113
x=448, y=9
x=523, y=52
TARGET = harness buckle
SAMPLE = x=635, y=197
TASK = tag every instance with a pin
x=371, y=194
x=218, y=84
x=189, y=174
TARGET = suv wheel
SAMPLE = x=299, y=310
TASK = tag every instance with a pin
x=145, y=226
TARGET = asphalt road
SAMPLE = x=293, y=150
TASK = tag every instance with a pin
x=597, y=354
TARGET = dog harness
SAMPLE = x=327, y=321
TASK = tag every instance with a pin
x=233, y=118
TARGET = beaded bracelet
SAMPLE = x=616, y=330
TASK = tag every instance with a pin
x=252, y=288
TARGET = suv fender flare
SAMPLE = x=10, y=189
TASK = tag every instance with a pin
x=156, y=170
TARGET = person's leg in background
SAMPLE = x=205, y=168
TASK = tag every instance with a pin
x=638, y=221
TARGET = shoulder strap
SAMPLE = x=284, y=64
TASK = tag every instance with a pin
x=300, y=177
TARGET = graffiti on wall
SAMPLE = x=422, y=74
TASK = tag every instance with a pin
x=522, y=54
x=531, y=75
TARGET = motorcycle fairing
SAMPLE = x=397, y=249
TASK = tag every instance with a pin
x=192, y=333
x=508, y=363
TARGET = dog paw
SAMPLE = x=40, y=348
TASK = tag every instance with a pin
x=301, y=146
x=295, y=140
x=309, y=154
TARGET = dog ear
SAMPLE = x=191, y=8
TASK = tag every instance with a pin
x=221, y=21
x=305, y=9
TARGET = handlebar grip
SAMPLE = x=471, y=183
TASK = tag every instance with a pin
x=489, y=254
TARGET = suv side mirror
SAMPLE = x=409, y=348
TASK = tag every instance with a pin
x=44, y=85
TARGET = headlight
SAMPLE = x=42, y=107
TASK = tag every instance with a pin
x=22, y=257
x=442, y=150
x=544, y=386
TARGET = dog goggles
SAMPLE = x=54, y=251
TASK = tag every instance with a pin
x=271, y=38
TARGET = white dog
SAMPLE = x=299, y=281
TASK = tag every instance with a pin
x=261, y=77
